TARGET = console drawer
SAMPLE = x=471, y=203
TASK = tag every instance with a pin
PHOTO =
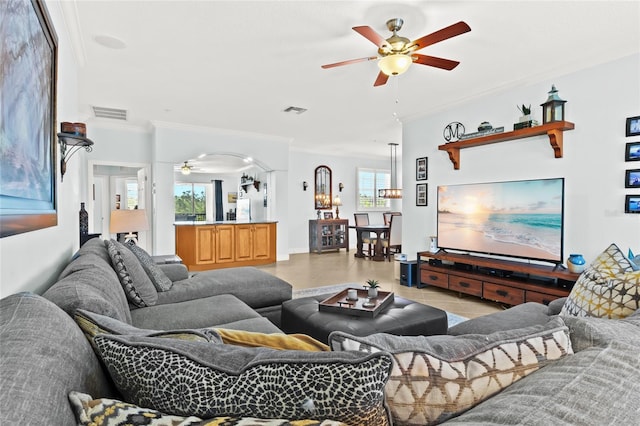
x=436, y=279
x=534, y=296
x=504, y=294
x=465, y=285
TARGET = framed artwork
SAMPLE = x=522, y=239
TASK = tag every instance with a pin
x=632, y=204
x=632, y=178
x=633, y=126
x=632, y=152
x=28, y=162
x=422, y=169
x=328, y=215
x=232, y=197
x=421, y=194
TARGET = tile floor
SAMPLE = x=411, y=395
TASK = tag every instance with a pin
x=307, y=270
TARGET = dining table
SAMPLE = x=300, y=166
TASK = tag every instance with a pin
x=381, y=232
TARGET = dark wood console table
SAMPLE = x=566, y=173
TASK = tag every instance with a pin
x=504, y=281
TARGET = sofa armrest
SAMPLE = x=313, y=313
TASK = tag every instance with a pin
x=555, y=306
x=175, y=271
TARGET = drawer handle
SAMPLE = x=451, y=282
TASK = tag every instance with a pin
x=502, y=293
x=464, y=284
x=545, y=301
x=433, y=277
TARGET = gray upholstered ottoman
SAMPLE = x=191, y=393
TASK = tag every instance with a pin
x=403, y=317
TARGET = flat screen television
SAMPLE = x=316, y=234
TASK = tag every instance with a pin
x=522, y=219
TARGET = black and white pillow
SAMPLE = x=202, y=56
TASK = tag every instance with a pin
x=156, y=275
x=134, y=280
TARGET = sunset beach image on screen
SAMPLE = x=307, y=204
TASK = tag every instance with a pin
x=516, y=218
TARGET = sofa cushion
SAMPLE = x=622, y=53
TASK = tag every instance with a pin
x=93, y=324
x=158, y=278
x=43, y=356
x=599, y=385
x=608, y=288
x=281, y=341
x=89, y=282
x=435, y=378
x=256, y=288
x=587, y=332
x=134, y=280
x=196, y=378
x=518, y=316
x=112, y=412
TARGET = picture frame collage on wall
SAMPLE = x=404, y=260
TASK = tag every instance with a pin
x=422, y=173
x=632, y=176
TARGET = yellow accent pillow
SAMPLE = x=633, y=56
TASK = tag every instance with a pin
x=249, y=339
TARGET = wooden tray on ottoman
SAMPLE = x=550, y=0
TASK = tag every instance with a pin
x=339, y=304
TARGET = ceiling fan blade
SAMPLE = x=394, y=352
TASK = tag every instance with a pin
x=438, y=36
x=370, y=34
x=381, y=80
x=433, y=61
x=350, y=61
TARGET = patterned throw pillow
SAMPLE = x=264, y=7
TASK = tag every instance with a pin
x=156, y=275
x=204, y=380
x=251, y=339
x=112, y=412
x=608, y=288
x=435, y=378
x=134, y=280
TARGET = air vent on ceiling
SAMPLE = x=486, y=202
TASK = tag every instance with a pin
x=114, y=113
x=295, y=109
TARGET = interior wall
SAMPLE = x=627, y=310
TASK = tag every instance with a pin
x=32, y=261
x=598, y=101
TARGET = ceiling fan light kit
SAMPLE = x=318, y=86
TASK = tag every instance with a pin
x=396, y=53
x=185, y=169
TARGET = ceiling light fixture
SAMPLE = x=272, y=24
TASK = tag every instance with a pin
x=185, y=169
x=395, y=64
x=394, y=191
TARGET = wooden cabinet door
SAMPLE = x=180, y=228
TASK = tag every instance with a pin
x=205, y=245
x=225, y=243
x=244, y=242
x=261, y=241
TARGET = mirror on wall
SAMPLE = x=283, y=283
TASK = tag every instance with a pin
x=323, y=188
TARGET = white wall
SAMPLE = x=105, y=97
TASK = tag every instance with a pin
x=599, y=100
x=301, y=203
x=33, y=260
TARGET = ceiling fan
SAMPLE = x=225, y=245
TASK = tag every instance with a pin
x=396, y=53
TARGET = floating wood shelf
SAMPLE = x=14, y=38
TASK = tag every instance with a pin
x=553, y=130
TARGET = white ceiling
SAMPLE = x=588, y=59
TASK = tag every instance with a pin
x=238, y=64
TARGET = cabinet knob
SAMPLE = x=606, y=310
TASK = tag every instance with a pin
x=502, y=293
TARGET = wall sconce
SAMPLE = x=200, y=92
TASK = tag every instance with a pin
x=305, y=185
x=128, y=221
x=340, y=186
x=72, y=135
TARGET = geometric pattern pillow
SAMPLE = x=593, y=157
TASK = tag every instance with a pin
x=111, y=412
x=607, y=288
x=156, y=275
x=200, y=379
x=435, y=378
x=134, y=280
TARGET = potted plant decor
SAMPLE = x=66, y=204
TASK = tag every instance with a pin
x=372, y=288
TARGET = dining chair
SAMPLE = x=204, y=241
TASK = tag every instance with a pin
x=387, y=216
x=363, y=219
x=394, y=240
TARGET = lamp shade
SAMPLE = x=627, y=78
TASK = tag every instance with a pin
x=395, y=64
x=128, y=221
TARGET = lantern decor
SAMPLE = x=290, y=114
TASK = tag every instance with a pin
x=553, y=108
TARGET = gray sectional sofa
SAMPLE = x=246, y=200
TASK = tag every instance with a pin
x=591, y=379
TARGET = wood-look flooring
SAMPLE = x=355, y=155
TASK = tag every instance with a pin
x=308, y=270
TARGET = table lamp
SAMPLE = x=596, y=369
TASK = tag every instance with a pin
x=128, y=221
x=337, y=202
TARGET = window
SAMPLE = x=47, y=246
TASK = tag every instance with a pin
x=132, y=194
x=369, y=182
x=190, y=201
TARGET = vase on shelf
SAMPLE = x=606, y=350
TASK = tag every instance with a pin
x=576, y=263
x=84, y=220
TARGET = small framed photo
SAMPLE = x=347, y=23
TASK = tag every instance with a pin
x=422, y=168
x=632, y=204
x=632, y=152
x=421, y=194
x=328, y=215
x=633, y=126
x=632, y=178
